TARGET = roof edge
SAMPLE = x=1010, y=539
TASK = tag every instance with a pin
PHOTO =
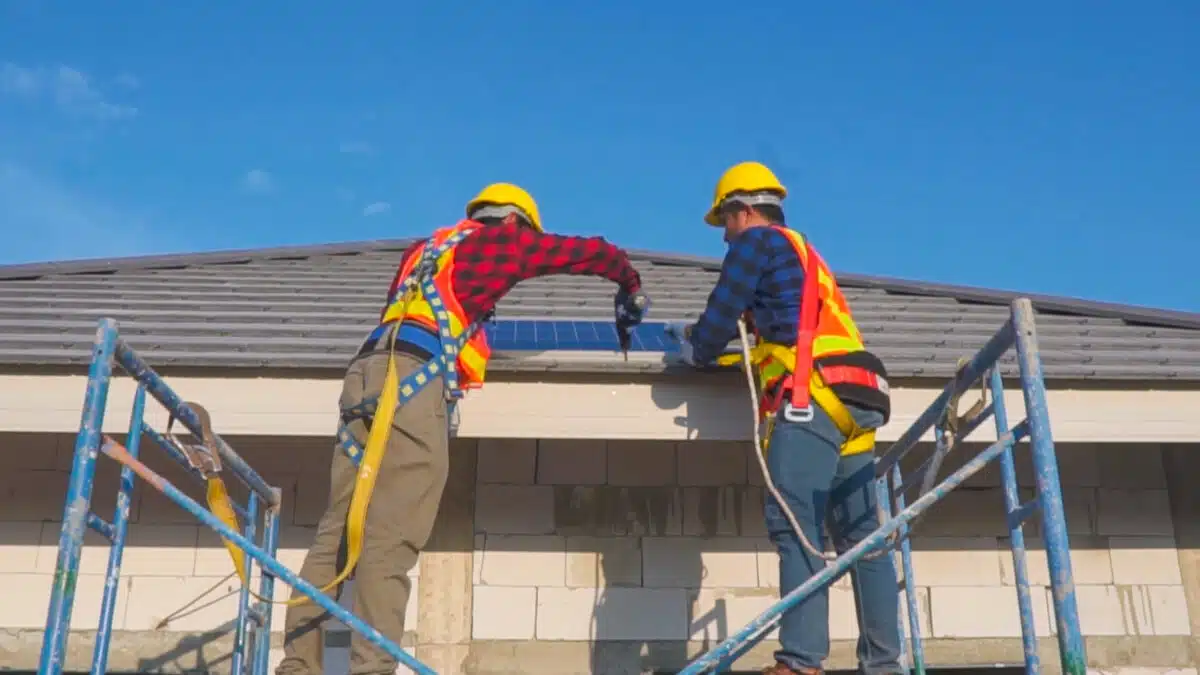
x=962, y=293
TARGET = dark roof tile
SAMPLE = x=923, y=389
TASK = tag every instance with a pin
x=308, y=307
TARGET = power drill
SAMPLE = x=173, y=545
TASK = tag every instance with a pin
x=629, y=312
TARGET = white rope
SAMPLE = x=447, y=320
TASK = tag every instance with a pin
x=766, y=472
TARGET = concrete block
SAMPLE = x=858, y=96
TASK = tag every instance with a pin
x=599, y=562
x=1134, y=513
x=641, y=463
x=183, y=603
x=312, y=498
x=1078, y=465
x=524, y=560
x=1145, y=560
x=723, y=511
x=20, y=544
x=711, y=463
x=612, y=614
x=717, y=613
x=572, y=461
x=690, y=562
x=504, y=613
x=956, y=612
x=1079, y=506
x=477, y=559
x=1090, y=563
x=767, y=558
x=150, y=550
x=754, y=470
x=514, y=509
x=966, y=513
x=507, y=460
x=1165, y=608
x=212, y=558
x=23, y=451
x=1101, y=610
x=1131, y=466
x=843, y=618
x=27, y=596
x=956, y=561
x=617, y=511
x=33, y=495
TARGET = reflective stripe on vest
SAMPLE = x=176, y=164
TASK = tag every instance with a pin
x=472, y=360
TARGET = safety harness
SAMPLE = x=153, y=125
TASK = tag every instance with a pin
x=380, y=410
x=801, y=369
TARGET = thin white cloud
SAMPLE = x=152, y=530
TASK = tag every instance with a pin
x=258, y=181
x=377, y=208
x=69, y=89
x=356, y=148
x=46, y=219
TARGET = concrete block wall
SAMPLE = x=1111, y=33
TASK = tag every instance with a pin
x=595, y=556
x=587, y=540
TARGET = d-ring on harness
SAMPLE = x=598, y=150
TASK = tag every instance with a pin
x=381, y=410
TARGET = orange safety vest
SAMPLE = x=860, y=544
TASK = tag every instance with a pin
x=472, y=359
x=829, y=355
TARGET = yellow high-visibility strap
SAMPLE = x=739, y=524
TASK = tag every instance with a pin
x=364, y=485
x=858, y=440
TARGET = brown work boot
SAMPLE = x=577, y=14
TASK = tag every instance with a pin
x=782, y=669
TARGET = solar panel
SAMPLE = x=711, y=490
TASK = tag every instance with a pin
x=541, y=335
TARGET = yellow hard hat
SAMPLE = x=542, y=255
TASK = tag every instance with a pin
x=507, y=194
x=745, y=177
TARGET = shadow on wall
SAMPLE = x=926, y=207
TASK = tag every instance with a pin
x=704, y=416
x=627, y=610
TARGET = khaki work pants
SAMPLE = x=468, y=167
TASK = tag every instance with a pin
x=403, y=507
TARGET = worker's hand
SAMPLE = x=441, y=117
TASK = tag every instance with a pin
x=679, y=330
x=686, y=353
x=630, y=308
x=683, y=333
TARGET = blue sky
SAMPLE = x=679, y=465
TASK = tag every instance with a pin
x=1017, y=145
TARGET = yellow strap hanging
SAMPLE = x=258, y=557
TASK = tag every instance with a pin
x=364, y=485
x=858, y=440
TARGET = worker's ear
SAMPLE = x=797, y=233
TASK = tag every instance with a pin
x=511, y=219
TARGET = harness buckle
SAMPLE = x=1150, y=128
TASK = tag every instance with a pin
x=798, y=415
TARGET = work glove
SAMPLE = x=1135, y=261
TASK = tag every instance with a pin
x=682, y=332
x=630, y=308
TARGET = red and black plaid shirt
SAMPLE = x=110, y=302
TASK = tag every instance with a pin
x=494, y=258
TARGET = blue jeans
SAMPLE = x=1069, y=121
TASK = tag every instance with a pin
x=817, y=482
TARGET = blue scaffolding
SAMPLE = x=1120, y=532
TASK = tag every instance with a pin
x=259, y=515
x=950, y=430
x=259, y=538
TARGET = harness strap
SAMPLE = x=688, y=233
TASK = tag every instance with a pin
x=806, y=330
x=857, y=439
x=444, y=364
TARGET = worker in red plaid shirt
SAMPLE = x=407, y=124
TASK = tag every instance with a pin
x=502, y=243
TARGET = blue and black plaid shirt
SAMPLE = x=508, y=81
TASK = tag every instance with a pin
x=761, y=272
